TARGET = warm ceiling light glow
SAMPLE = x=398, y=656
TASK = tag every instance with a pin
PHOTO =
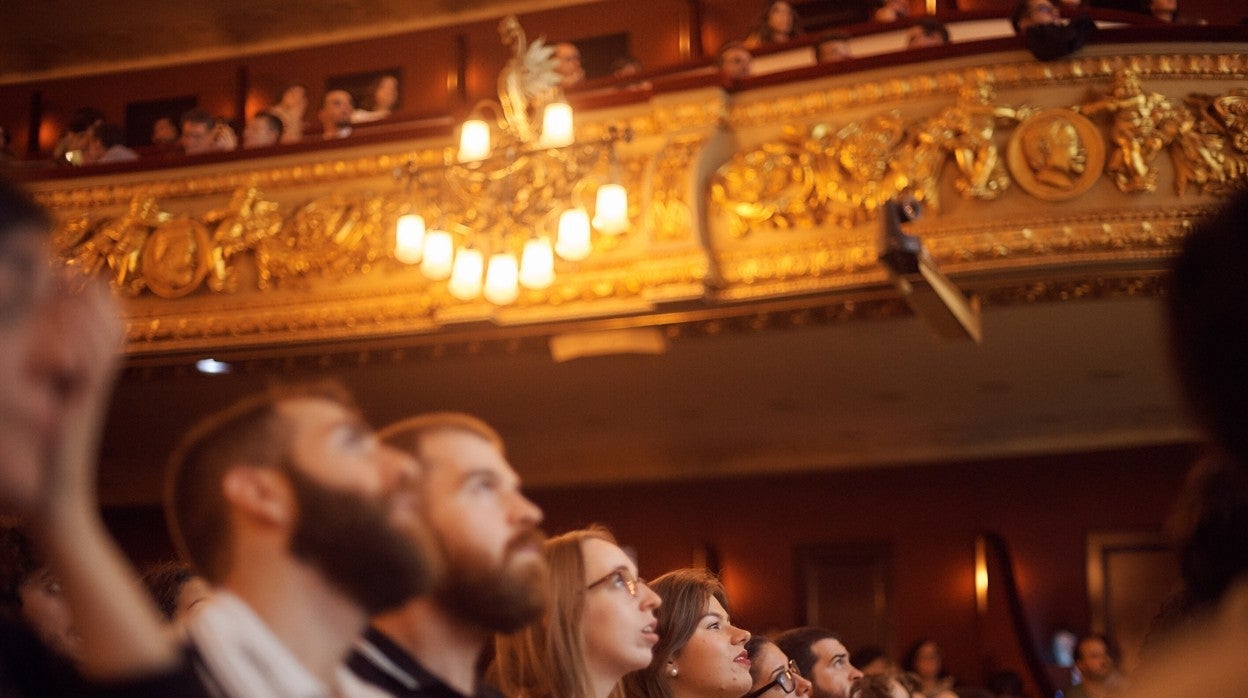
x=611, y=209
x=557, y=125
x=537, y=264
x=981, y=575
x=409, y=239
x=438, y=256
x=474, y=141
x=213, y=367
x=465, y=283
x=573, y=242
x=501, y=279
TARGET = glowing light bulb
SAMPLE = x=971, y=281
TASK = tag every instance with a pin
x=409, y=239
x=438, y=256
x=611, y=209
x=465, y=283
x=573, y=242
x=501, y=279
x=474, y=141
x=537, y=264
x=557, y=126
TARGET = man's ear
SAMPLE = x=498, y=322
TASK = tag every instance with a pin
x=262, y=492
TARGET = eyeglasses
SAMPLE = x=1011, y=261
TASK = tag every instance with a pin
x=620, y=578
x=785, y=678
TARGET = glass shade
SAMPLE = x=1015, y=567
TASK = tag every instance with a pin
x=465, y=283
x=438, y=256
x=573, y=243
x=474, y=141
x=537, y=264
x=611, y=209
x=501, y=279
x=556, y=125
x=409, y=239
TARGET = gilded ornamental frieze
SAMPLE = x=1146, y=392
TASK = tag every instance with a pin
x=1031, y=175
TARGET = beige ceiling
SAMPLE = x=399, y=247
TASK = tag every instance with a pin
x=44, y=39
x=1049, y=378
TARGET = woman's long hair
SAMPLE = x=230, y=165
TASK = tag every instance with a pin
x=546, y=659
x=685, y=595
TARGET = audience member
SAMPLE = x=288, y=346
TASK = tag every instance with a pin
x=59, y=350
x=700, y=652
x=599, y=626
x=924, y=660
x=891, y=10
x=833, y=47
x=291, y=108
x=176, y=588
x=77, y=134
x=822, y=658
x=772, y=673
x=305, y=523
x=778, y=24
x=928, y=32
x=568, y=64
x=1099, y=679
x=380, y=102
x=335, y=115
x=165, y=134
x=31, y=592
x=734, y=61
x=880, y=686
x=264, y=130
x=494, y=576
x=203, y=133
x=1045, y=34
x=105, y=145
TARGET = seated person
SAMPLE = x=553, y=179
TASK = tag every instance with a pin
x=778, y=24
x=336, y=110
x=734, y=61
x=264, y=130
x=105, y=145
x=290, y=108
x=77, y=134
x=31, y=593
x=204, y=133
x=380, y=102
x=1045, y=33
x=833, y=47
x=891, y=11
x=568, y=64
x=928, y=32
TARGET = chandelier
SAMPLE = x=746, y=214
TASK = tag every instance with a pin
x=483, y=217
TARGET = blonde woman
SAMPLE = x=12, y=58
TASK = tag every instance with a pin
x=599, y=624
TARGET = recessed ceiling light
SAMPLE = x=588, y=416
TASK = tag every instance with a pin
x=212, y=366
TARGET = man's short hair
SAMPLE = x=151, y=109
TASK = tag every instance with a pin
x=198, y=116
x=248, y=432
x=273, y=121
x=409, y=434
x=84, y=119
x=729, y=46
x=930, y=26
x=797, y=643
x=1209, y=325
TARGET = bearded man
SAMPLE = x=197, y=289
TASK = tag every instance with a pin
x=493, y=573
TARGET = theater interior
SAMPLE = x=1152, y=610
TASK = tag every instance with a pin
x=733, y=379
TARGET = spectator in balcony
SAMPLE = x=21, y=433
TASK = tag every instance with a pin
x=165, y=135
x=1045, y=34
x=77, y=134
x=291, y=109
x=568, y=64
x=106, y=146
x=264, y=130
x=1168, y=11
x=833, y=47
x=734, y=61
x=380, y=102
x=778, y=24
x=626, y=69
x=928, y=32
x=891, y=10
x=336, y=110
x=204, y=133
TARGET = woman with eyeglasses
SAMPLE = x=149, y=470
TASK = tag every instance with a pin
x=700, y=653
x=599, y=624
x=774, y=674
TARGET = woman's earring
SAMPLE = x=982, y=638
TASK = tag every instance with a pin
x=673, y=672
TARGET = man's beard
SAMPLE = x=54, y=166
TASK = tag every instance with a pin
x=350, y=540
x=499, y=598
